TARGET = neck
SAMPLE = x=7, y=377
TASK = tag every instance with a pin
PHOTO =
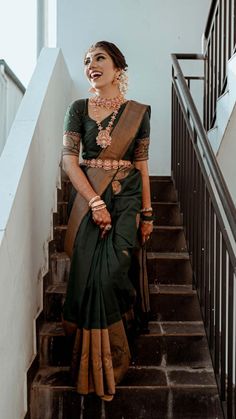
x=108, y=92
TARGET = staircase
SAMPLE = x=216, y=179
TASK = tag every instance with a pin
x=171, y=374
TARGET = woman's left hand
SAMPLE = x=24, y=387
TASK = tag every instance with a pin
x=146, y=230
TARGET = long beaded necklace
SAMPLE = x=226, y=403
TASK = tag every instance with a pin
x=103, y=138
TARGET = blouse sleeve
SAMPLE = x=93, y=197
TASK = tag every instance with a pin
x=72, y=130
x=143, y=138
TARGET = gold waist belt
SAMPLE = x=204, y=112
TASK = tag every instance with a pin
x=107, y=164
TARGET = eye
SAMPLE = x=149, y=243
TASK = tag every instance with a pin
x=86, y=61
x=100, y=57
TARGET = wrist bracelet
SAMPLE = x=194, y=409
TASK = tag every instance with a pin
x=146, y=209
x=93, y=199
x=97, y=203
x=147, y=217
x=99, y=208
x=147, y=222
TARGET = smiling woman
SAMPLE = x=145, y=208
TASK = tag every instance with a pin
x=111, y=194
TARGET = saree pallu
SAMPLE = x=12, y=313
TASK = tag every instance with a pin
x=100, y=293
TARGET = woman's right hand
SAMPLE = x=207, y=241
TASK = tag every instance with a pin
x=102, y=218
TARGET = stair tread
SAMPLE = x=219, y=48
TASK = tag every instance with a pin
x=171, y=289
x=59, y=288
x=59, y=255
x=158, y=328
x=138, y=376
x=168, y=255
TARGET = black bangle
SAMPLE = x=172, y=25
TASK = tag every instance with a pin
x=147, y=217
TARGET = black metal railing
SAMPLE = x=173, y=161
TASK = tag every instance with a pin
x=210, y=222
x=220, y=45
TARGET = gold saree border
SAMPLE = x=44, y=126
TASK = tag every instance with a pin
x=100, y=358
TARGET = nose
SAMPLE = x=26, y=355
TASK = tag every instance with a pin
x=91, y=63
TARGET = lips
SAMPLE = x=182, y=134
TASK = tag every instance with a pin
x=94, y=75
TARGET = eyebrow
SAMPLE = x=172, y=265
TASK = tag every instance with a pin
x=95, y=55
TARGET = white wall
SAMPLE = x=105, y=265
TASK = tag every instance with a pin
x=147, y=32
x=29, y=168
x=226, y=155
x=10, y=98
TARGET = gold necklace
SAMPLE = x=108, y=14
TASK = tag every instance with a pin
x=103, y=138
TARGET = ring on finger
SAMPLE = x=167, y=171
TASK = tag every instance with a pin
x=108, y=227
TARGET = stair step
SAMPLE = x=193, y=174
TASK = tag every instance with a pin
x=167, y=213
x=62, y=212
x=168, y=302
x=56, y=348
x=59, y=267
x=171, y=289
x=162, y=190
x=171, y=351
x=54, y=299
x=170, y=328
x=170, y=306
x=164, y=239
x=167, y=239
x=169, y=267
x=163, y=393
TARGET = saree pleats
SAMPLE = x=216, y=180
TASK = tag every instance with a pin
x=100, y=292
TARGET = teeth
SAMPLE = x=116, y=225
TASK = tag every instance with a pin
x=95, y=74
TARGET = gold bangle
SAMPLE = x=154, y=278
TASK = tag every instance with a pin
x=93, y=199
x=99, y=208
x=97, y=203
x=146, y=222
x=146, y=209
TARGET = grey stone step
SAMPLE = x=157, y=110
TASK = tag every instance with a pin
x=169, y=267
x=146, y=393
x=174, y=303
x=163, y=239
x=166, y=213
x=56, y=348
x=170, y=302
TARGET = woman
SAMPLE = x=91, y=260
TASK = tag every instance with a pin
x=112, y=192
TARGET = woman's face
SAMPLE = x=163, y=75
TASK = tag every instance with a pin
x=99, y=68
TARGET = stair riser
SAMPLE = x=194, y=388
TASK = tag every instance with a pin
x=167, y=241
x=160, y=241
x=59, y=237
x=148, y=350
x=128, y=404
x=53, y=306
x=60, y=269
x=163, y=191
x=169, y=271
x=62, y=213
x=175, y=307
x=63, y=194
x=171, y=351
x=167, y=214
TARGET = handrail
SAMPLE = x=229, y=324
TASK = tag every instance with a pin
x=12, y=76
x=219, y=47
x=214, y=168
x=210, y=17
x=209, y=219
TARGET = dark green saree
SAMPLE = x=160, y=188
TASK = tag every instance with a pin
x=101, y=294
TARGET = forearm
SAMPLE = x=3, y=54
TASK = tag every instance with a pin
x=146, y=194
x=77, y=177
